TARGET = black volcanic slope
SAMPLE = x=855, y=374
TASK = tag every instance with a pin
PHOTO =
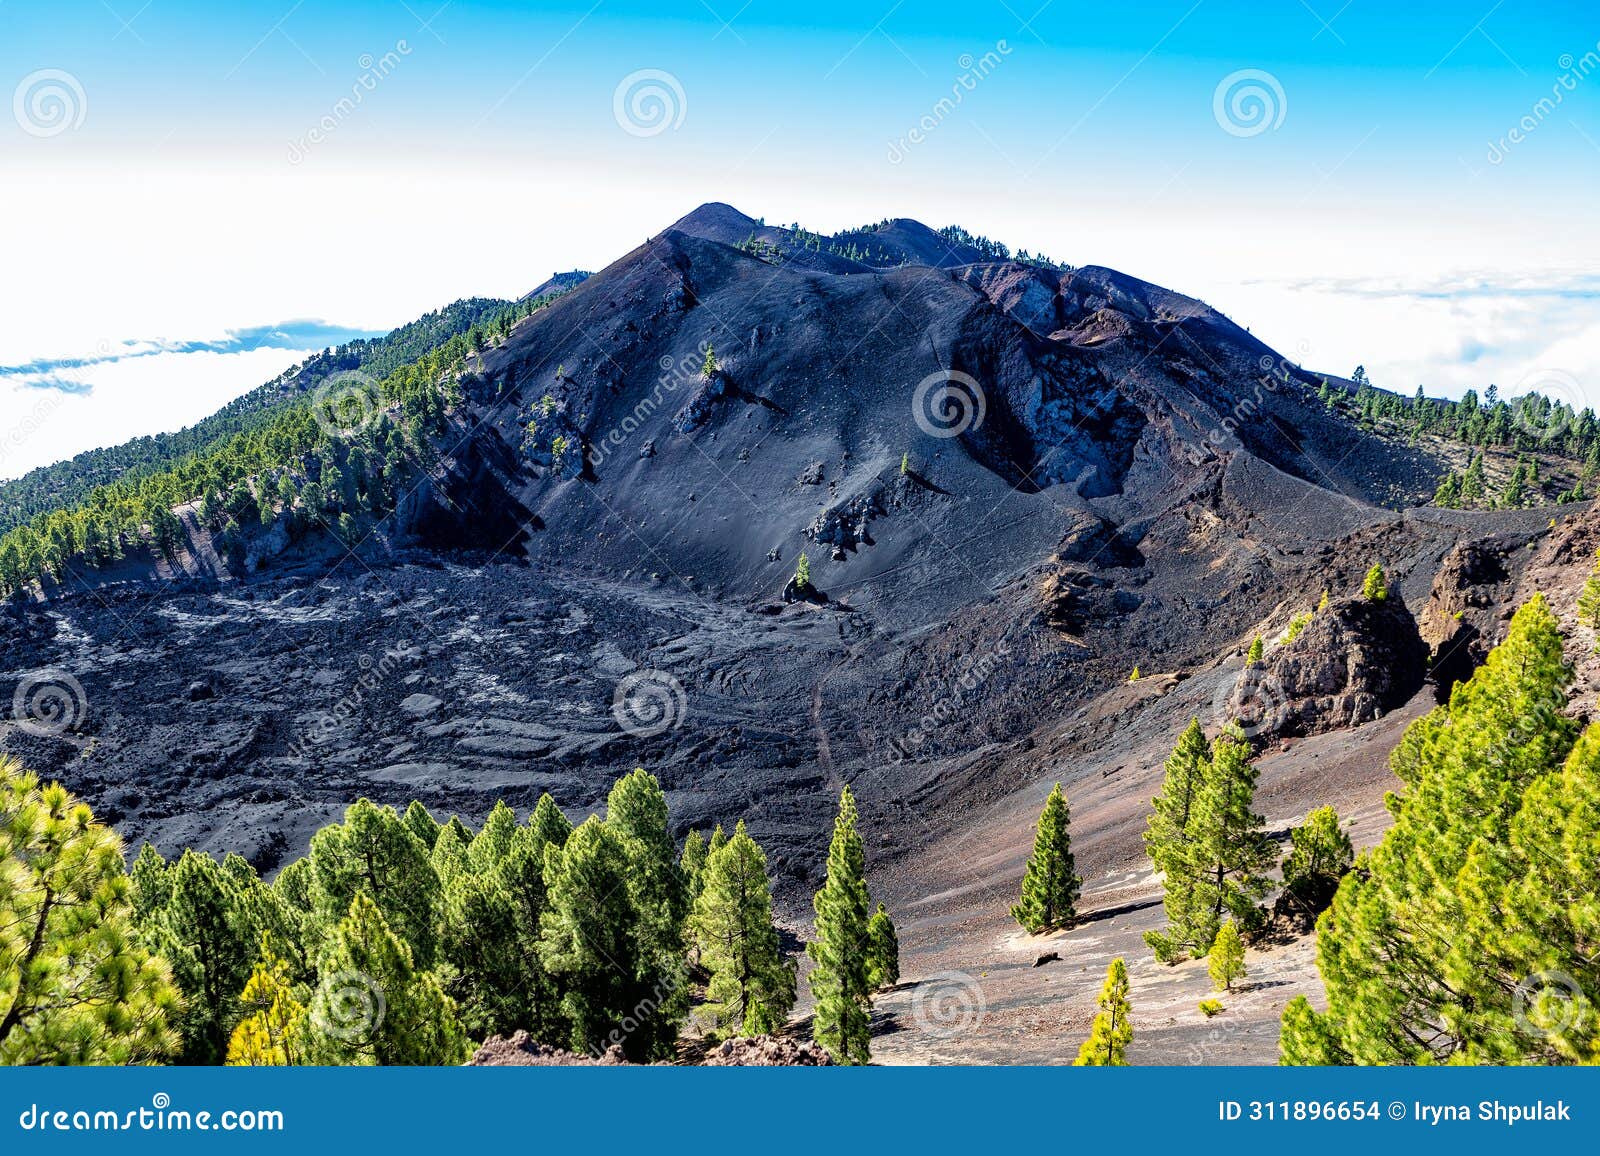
x=1148, y=485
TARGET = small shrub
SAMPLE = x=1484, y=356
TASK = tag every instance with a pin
x=1210, y=1007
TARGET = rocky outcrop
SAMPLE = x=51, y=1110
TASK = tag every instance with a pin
x=1473, y=582
x=768, y=1052
x=520, y=1050
x=1355, y=661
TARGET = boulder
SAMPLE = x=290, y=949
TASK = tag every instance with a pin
x=1355, y=661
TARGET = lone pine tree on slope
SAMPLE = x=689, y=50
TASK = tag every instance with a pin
x=1210, y=847
x=1050, y=883
x=839, y=980
x=1107, y=1045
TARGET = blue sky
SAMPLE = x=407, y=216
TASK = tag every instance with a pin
x=216, y=169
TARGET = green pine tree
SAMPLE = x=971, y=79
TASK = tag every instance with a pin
x=1225, y=962
x=374, y=1006
x=752, y=983
x=373, y=854
x=692, y=863
x=76, y=986
x=615, y=990
x=1050, y=882
x=1107, y=1045
x=1321, y=854
x=1375, y=587
x=883, y=951
x=1407, y=950
x=839, y=980
x=1256, y=652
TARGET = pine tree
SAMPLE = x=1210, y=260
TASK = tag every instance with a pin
x=1168, y=840
x=1374, y=587
x=489, y=846
x=693, y=863
x=548, y=823
x=1050, y=882
x=373, y=854
x=274, y=1024
x=1107, y=1045
x=482, y=962
x=204, y=933
x=76, y=987
x=1225, y=962
x=1322, y=603
x=752, y=984
x=839, y=982
x=708, y=366
x=1589, y=598
x=802, y=572
x=1257, y=651
x=637, y=810
x=374, y=1006
x=1321, y=854
x=1404, y=949
x=883, y=951
x=451, y=854
x=1217, y=865
x=421, y=824
x=594, y=942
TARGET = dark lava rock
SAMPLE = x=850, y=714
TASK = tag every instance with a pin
x=1355, y=661
x=1047, y=957
x=201, y=690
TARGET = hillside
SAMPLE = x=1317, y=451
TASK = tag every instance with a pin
x=564, y=548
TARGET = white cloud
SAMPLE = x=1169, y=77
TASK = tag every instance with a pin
x=125, y=399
